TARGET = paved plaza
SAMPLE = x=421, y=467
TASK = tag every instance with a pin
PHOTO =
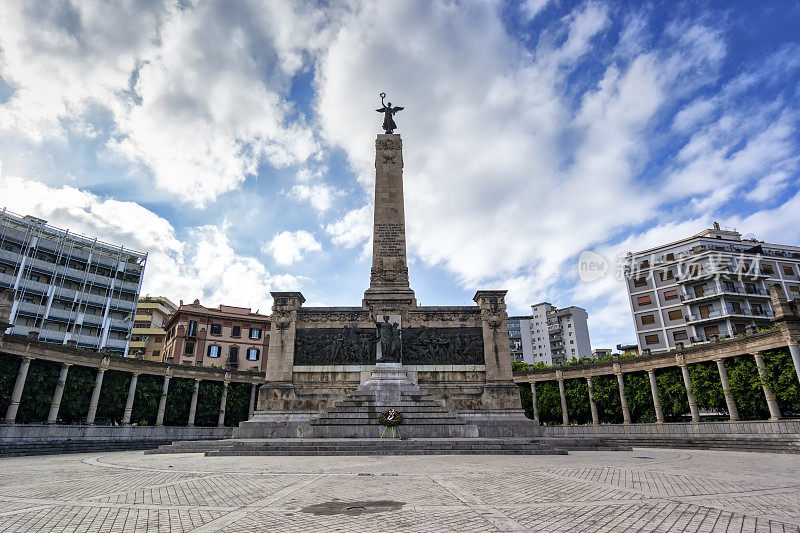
x=641, y=490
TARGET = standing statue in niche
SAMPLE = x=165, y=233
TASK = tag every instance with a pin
x=388, y=337
x=388, y=114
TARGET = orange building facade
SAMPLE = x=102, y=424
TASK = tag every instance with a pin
x=223, y=337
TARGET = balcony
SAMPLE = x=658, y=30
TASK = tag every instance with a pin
x=7, y=280
x=554, y=328
x=716, y=314
x=713, y=292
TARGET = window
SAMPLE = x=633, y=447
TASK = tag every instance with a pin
x=189, y=348
x=788, y=270
x=767, y=269
x=648, y=319
x=670, y=257
x=651, y=339
x=192, y=332
x=643, y=300
x=695, y=270
x=255, y=333
x=680, y=335
x=794, y=290
x=667, y=275
x=671, y=295
x=252, y=354
x=233, y=354
x=216, y=329
x=213, y=351
x=236, y=331
x=156, y=353
x=676, y=314
x=640, y=282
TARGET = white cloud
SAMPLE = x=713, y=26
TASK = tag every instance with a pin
x=197, y=103
x=289, y=247
x=352, y=229
x=203, y=265
x=531, y=8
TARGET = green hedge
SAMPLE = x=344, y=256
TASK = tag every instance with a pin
x=706, y=387
x=43, y=378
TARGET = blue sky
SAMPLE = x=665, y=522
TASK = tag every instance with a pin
x=234, y=141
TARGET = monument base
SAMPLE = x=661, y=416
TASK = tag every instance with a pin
x=393, y=298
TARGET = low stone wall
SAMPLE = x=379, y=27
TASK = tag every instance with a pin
x=782, y=436
x=35, y=439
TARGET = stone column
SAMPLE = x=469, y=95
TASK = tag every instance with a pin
x=774, y=410
x=388, y=281
x=626, y=413
x=98, y=384
x=592, y=404
x=193, y=404
x=794, y=350
x=16, y=394
x=499, y=391
x=656, y=400
x=59, y=392
x=533, y=401
x=223, y=401
x=687, y=383
x=252, y=407
x=564, y=412
x=126, y=418
x=162, y=401
x=733, y=412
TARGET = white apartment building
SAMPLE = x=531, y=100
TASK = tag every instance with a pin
x=550, y=335
x=711, y=284
x=66, y=286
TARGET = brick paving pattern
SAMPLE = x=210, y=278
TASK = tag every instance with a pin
x=643, y=490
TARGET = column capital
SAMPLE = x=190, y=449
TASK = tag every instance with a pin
x=680, y=360
x=66, y=364
x=227, y=379
x=559, y=375
x=105, y=363
x=136, y=373
x=617, y=369
x=27, y=358
x=169, y=372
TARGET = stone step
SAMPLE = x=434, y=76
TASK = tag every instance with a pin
x=349, y=421
x=375, y=416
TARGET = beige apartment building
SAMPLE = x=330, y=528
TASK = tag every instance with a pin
x=225, y=337
x=147, y=335
x=710, y=285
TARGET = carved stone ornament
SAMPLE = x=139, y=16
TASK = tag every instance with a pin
x=433, y=317
x=680, y=360
x=282, y=319
x=389, y=271
x=493, y=317
x=559, y=375
x=617, y=369
x=168, y=373
x=227, y=379
x=419, y=346
x=105, y=363
x=388, y=144
x=355, y=316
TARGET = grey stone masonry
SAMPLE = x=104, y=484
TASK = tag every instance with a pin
x=388, y=283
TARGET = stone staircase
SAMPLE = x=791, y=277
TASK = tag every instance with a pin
x=424, y=416
x=445, y=446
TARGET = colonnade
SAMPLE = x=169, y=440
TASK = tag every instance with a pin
x=733, y=412
x=52, y=417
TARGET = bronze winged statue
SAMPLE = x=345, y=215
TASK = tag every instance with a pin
x=388, y=114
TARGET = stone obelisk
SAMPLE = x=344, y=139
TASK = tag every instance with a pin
x=388, y=285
